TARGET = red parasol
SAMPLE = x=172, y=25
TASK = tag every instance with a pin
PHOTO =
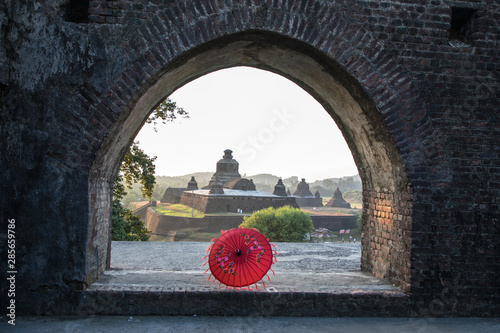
x=240, y=257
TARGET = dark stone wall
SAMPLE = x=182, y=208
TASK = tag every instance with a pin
x=142, y=211
x=309, y=202
x=164, y=224
x=68, y=87
x=335, y=223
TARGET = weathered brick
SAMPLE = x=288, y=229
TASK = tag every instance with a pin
x=437, y=103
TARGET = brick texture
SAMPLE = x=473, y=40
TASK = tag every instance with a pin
x=432, y=104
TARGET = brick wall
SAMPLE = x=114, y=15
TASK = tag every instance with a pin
x=164, y=224
x=387, y=231
x=335, y=223
x=428, y=104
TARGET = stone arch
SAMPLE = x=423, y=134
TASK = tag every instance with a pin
x=370, y=96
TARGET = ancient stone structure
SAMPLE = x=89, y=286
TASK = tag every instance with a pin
x=304, y=196
x=4, y=68
x=303, y=189
x=242, y=184
x=165, y=224
x=192, y=184
x=335, y=222
x=337, y=200
x=174, y=194
x=225, y=200
x=227, y=192
x=216, y=187
x=412, y=85
x=279, y=189
x=227, y=169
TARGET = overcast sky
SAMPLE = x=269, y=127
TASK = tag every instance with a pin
x=271, y=124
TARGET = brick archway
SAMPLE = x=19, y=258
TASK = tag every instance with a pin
x=417, y=107
x=362, y=93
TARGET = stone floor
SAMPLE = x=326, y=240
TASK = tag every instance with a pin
x=301, y=267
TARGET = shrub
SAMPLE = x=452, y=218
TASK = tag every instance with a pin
x=126, y=226
x=284, y=224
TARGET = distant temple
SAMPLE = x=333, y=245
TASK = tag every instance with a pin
x=305, y=198
x=279, y=189
x=174, y=194
x=227, y=192
x=227, y=169
x=192, y=184
x=338, y=201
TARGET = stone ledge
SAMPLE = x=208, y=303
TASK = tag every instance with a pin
x=145, y=301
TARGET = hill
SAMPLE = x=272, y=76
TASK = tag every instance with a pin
x=181, y=181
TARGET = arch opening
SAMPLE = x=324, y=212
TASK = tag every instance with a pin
x=381, y=168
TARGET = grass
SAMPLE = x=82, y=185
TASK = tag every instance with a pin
x=177, y=210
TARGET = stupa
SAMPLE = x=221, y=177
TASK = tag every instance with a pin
x=226, y=169
x=337, y=200
x=305, y=198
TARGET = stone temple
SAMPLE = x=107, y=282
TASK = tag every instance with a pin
x=227, y=169
x=227, y=192
x=305, y=198
x=338, y=201
x=174, y=194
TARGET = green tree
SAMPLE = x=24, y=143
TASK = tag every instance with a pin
x=138, y=167
x=125, y=226
x=328, y=183
x=166, y=111
x=283, y=224
x=159, y=190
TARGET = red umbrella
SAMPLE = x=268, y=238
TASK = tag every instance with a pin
x=240, y=257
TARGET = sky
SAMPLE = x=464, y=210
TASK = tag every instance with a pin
x=271, y=125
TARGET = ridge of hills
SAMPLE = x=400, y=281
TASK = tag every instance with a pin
x=266, y=182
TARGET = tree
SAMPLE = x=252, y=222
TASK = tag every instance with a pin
x=328, y=183
x=125, y=226
x=166, y=111
x=291, y=182
x=283, y=224
x=138, y=167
